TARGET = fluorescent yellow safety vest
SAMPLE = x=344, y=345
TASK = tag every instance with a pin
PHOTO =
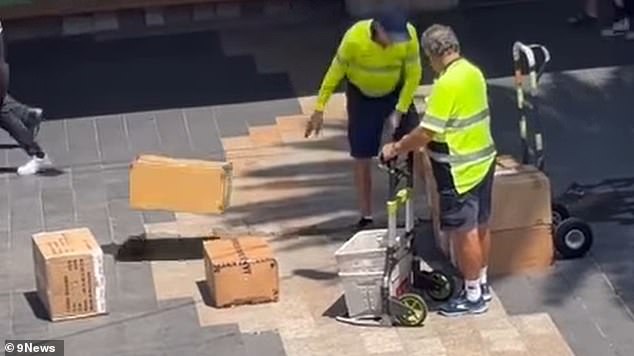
x=375, y=70
x=462, y=149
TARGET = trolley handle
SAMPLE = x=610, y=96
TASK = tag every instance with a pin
x=528, y=51
x=392, y=168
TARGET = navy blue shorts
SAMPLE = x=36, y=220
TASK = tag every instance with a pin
x=469, y=210
x=367, y=117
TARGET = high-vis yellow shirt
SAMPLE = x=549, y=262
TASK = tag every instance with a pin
x=375, y=70
x=458, y=114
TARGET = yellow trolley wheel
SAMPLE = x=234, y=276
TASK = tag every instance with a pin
x=417, y=310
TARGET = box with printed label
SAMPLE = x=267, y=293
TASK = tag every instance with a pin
x=241, y=271
x=69, y=273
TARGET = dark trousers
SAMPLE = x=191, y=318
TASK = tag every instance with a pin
x=13, y=116
x=626, y=11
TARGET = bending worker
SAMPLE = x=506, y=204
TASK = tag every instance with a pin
x=456, y=131
x=380, y=58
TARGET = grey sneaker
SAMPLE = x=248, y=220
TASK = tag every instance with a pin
x=460, y=305
x=618, y=28
x=486, y=292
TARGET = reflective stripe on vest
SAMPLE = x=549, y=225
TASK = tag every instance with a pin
x=463, y=159
x=455, y=123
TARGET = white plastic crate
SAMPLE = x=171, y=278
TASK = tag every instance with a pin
x=362, y=290
x=362, y=253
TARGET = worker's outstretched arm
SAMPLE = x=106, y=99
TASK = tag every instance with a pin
x=336, y=72
x=413, y=72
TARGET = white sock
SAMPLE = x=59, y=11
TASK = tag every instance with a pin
x=368, y=217
x=483, y=275
x=474, y=293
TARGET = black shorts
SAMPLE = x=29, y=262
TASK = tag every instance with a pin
x=366, y=120
x=469, y=210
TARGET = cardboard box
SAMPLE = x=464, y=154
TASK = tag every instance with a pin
x=69, y=274
x=180, y=185
x=521, y=250
x=521, y=196
x=521, y=204
x=241, y=271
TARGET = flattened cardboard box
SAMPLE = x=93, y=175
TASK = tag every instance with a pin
x=69, y=273
x=241, y=271
x=180, y=185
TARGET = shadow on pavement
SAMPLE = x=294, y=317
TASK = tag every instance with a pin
x=139, y=248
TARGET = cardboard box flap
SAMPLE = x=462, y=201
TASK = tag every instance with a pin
x=67, y=242
x=184, y=162
x=507, y=165
x=234, y=251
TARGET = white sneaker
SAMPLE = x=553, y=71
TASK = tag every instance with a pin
x=618, y=28
x=35, y=165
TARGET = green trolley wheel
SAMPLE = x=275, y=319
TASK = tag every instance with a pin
x=417, y=310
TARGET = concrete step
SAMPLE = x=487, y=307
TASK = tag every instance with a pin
x=265, y=136
x=540, y=335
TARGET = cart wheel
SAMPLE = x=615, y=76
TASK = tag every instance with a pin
x=573, y=238
x=442, y=287
x=417, y=310
x=559, y=213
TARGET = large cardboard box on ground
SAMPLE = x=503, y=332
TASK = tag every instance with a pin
x=521, y=250
x=241, y=271
x=521, y=236
x=180, y=185
x=69, y=274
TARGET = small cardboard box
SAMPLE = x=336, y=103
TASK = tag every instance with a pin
x=521, y=250
x=180, y=185
x=241, y=271
x=69, y=274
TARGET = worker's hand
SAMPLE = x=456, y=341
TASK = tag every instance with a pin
x=388, y=152
x=314, y=124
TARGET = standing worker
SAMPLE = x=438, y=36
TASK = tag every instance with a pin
x=20, y=121
x=380, y=58
x=456, y=131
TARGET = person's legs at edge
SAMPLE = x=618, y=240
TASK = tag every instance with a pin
x=363, y=182
x=12, y=123
x=628, y=7
x=588, y=16
x=621, y=22
x=31, y=117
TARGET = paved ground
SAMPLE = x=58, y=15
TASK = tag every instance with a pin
x=205, y=94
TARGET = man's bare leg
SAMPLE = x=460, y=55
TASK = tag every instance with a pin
x=363, y=183
x=469, y=254
x=484, y=237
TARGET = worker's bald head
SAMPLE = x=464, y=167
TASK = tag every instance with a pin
x=439, y=40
